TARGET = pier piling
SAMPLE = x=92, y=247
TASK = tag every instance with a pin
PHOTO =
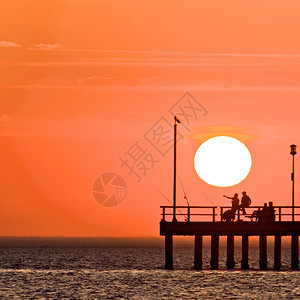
x=230, y=251
x=245, y=252
x=169, y=251
x=295, y=253
x=277, y=252
x=198, y=252
x=214, y=262
x=263, y=260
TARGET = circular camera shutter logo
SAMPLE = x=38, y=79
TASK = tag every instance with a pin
x=109, y=189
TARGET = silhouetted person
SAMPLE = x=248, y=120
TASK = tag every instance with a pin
x=263, y=214
x=271, y=212
x=235, y=201
x=245, y=202
x=229, y=215
x=267, y=214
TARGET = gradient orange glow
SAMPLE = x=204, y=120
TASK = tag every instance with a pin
x=82, y=80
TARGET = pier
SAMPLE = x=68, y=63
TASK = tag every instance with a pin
x=200, y=221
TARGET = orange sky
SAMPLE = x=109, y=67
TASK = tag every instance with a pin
x=81, y=81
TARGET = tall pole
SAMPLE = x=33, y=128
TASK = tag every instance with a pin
x=293, y=153
x=293, y=190
x=174, y=178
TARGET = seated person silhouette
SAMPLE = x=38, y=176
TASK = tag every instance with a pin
x=245, y=202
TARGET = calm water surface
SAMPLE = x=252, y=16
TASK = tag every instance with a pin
x=136, y=273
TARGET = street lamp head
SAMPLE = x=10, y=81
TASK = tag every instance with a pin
x=293, y=149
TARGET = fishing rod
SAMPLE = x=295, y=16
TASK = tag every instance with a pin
x=184, y=193
x=185, y=216
x=201, y=192
x=185, y=196
x=209, y=199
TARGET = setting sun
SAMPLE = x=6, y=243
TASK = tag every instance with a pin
x=222, y=161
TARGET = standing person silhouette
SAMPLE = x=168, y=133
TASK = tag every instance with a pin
x=229, y=215
x=271, y=212
x=235, y=201
x=245, y=202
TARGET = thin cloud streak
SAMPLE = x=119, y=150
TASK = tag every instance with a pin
x=177, y=53
x=169, y=87
x=46, y=47
x=155, y=59
x=147, y=64
x=7, y=44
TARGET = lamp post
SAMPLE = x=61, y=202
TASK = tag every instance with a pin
x=174, y=179
x=293, y=152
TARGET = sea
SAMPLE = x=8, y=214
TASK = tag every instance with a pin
x=107, y=269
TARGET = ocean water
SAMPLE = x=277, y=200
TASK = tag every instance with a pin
x=137, y=273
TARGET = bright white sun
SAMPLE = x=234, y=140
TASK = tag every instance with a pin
x=222, y=161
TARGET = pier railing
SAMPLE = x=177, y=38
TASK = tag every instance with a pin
x=213, y=213
x=190, y=213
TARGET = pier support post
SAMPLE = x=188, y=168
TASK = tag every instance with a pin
x=230, y=251
x=214, y=262
x=277, y=252
x=169, y=251
x=245, y=252
x=263, y=260
x=295, y=253
x=198, y=252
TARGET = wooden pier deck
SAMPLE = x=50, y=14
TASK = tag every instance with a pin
x=199, y=221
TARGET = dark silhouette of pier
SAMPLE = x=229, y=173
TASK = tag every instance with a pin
x=199, y=221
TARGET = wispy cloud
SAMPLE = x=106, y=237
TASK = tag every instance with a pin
x=97, y=87
x=174, y=54
x=106, y=80
x=46, y=47
x=7, y=44
x=5, y=118
x=157, y=59
x=92, y=79
x=160, y=71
